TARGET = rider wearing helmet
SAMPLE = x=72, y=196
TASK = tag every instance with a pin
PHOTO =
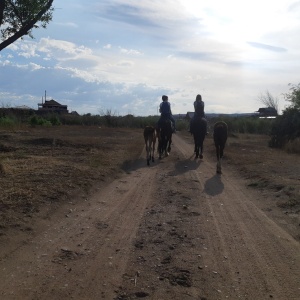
x=165, y=111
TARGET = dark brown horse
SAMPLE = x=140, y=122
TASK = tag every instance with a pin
x=165, y=137
x=150, y=140
x=199, y=129
x=220, y=138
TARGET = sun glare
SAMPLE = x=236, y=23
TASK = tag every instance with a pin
x=236, y=20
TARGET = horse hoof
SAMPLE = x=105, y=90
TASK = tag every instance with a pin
x=201, y=156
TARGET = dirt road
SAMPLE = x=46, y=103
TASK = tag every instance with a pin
x=174, y=230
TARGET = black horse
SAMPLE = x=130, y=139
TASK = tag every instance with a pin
x=199, y=130
x=164, y=134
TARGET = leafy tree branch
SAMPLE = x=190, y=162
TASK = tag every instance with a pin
x=19, y=17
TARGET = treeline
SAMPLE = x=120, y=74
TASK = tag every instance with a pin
x=284, y=130
x=235, y=125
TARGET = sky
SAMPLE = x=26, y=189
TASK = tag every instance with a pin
x=121, y=56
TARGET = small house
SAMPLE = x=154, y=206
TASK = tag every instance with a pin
x=267, y=112
x=52, y=106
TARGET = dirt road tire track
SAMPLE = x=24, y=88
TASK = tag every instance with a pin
x=173, y=230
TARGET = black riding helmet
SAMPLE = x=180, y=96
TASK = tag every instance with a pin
x=164, y=98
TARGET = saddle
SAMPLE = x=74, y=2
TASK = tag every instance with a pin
x=196, y=122
x=163, y=121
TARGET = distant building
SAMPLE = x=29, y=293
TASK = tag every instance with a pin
x=189, y=115
x=267, y=112
x=52, y=106
x=179, y=116
x=74, y=113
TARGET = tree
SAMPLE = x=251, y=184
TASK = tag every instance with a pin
x=19, y=17
x=268, y=100
x=294, y=96
x=286, y=127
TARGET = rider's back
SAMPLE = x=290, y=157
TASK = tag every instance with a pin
x=165, y=109
x=199, y=108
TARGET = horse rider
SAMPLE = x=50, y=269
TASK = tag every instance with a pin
x=199, y=111
x=166, y=113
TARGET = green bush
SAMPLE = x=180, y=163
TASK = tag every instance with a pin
x=286, y=128
x=39, y=121
x=252, y=125
x=7, y=122
x=54, y=120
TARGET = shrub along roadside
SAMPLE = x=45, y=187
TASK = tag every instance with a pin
x=235, y=125
x=7, y=122
x=286, y=129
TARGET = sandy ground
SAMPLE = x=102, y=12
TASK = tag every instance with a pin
x=174, y=230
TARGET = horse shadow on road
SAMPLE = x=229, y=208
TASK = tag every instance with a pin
x=214, y=186
x=186, y=165
x=132, y=165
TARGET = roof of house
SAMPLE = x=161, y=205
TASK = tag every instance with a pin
x=267, y=111
x=190, y=114
x=52, y=103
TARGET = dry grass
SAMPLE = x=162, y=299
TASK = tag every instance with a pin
x=46, y=166
x=293, y=146
x=266, y=168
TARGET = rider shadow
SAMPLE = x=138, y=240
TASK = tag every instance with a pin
x=214, y=186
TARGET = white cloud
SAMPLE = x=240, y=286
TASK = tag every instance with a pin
x=227, y=51
x=129, y=51
x=107, y=46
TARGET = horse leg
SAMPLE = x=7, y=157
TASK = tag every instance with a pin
x=148, y=155
x=150, y=148
x=166, y=148
x=195, y=143
x=219, y=166
x=201, y=152
x=197, y=151
x=221, y=151
x=153, y=149
x=160, y=148
x=169, y=146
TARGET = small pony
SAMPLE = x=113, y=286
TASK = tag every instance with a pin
x=150, y=140
x=220, y=138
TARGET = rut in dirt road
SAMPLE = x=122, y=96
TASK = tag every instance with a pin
x=171, y=230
